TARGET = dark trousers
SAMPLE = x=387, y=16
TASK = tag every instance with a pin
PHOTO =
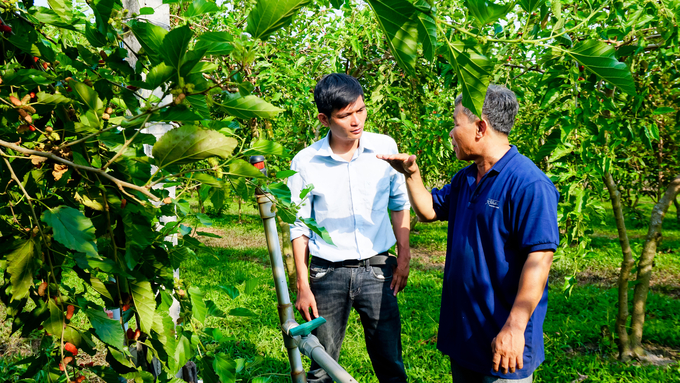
x=463, y=375
x=367, y=289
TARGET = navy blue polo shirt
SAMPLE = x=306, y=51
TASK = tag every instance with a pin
x=493, y=227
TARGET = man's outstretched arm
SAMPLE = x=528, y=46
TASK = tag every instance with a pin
x=421, y=199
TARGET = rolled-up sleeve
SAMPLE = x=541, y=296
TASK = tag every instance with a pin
x=398, y=193
x=296, y=183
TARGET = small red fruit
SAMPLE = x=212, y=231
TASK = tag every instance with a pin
x=31, y=128
x=68, y=359
x=5, y=28
x=69, y=312
x=130, y=333
x=581, y=79
x=123, y=202
x=132, y=87
x=32, y=94
x=46, y=65
x=137, y=334
x=125, y=307
x=70, y=347
x=35, y=59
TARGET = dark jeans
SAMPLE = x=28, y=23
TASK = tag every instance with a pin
x=463, y=375
x=367, y=289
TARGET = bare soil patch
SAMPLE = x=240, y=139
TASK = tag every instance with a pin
x=233, y=239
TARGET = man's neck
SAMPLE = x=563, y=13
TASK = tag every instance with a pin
x=490, y=157
x=345, y=149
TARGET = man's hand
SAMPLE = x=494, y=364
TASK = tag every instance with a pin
x=508, y=349
x=305, y=300
x=403, y=163
x=399, y=277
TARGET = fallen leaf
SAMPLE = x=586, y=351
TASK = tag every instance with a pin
x=59, y=170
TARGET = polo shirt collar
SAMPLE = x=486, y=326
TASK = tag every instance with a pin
x=496, y=168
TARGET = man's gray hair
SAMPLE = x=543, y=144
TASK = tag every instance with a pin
x=500, y=108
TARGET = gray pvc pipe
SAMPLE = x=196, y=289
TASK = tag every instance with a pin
x=265, y=204
x=311, y=347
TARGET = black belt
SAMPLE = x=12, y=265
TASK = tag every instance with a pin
x=381, y=259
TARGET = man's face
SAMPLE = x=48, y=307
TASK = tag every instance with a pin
x=347, y=124
x=463, y=135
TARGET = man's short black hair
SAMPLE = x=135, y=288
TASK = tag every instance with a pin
x=335, y=91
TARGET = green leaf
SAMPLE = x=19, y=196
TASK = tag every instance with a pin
x=285, y=173
x=473, y=71
x=199, y=105
x=175, y=45
x=213, y=310
x=61, y=7
x=190, y=143
x=207, y=372
x=52, y=99
x=178, y=113
x=87, y=95
x=107, y=330
x=199, y=7
x=231, y=291
x=206, y=179
x=199, y=310
x=265, y=147
x=21, y=266
x=72, y=229
x=427, y=34
x=398, y=19
x=225, y=367
x=250, y=107
x=146, y=11
x=281, y=192
x=531, y=5
x=270, y=15
x=158, y=75
x=241, y=312
x=54, y=324
x=486, y=12
x=251, y=285
x=145, y=303
x=320, y=231
x=599, y=58
x=242, y=168
x=663, y=110
x=150, y=37
x=215, y=43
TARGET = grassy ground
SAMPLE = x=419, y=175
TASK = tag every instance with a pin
x=579, y=346
x=578, y=343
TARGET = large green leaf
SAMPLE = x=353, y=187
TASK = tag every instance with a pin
x=486, y=12
x=531, y=5
x=54, y=324
x=318, y=230
x=21, y=265
x=225, y=367
x=150, y=37
x=190, y=143
x=199, y=7
x=158, y=75
x=270, y=15
x=207, y=372
x=72, y=229
x=265, y=147
x=87, y=95
x=242, y=168
x=175, y=45
x=399, y=20
x=249, y=107
x=215, y=43
x=56, y=99
x=427, y=34
x=599, y=58
x=200, y=311
x=473, y=71
x=145, y=303
x=107, y=330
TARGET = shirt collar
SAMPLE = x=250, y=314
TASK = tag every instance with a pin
x=365, y=144
x=496, y=168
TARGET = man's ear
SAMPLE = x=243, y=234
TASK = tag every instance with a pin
x=325, y=121
x=482, y=128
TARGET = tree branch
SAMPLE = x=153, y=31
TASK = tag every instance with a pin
x=121, y=184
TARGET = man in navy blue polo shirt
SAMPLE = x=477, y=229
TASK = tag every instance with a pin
x=502, y=213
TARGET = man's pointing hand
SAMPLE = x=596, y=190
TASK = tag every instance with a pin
x=403, y=163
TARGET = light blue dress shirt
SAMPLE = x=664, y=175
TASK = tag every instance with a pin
x=349, y=199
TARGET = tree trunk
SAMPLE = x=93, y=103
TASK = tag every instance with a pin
x=626, y=266
x=677, y=208
x=646, y=264
x=287, y=252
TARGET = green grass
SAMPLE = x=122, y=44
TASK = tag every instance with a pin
x=575, y=344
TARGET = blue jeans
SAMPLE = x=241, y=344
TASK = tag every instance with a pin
x=463, y=375
x=367, y=289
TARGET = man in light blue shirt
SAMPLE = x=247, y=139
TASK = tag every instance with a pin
x=352, y=193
